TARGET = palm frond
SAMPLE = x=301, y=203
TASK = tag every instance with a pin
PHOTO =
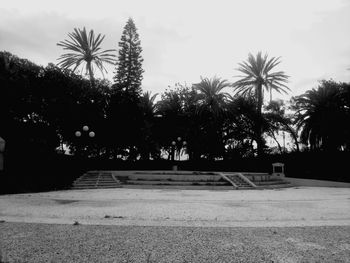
x=86, y=48
x=257, y=71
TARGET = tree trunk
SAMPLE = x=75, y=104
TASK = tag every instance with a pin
x=270, y=95
x=295, y=137
x=91, y=74
x=260, y=141
x=278, y=144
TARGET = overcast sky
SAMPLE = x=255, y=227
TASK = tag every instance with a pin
x=183, y=39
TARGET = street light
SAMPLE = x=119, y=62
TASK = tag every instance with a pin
x=85, y=128
x=176, y=147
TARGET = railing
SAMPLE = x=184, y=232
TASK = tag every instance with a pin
x=246, y=180
x=229, y=180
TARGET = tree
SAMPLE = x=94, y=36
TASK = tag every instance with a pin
x=129, y=65
x=211, y=109
x=148, y=146
x=242, y=126
x=211, y=98
x=322, y=116
x=41, y=102
x=278, y=120
x=258, y=75
x=83, y=48
x=177, y=118
x=147, y=104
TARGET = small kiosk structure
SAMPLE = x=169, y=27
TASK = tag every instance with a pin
x=278, y=169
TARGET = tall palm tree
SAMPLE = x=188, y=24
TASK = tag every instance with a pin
x=84, y=48
x=258, y=75
x=211, y=98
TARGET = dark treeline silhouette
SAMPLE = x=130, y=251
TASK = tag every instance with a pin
x=41, y=108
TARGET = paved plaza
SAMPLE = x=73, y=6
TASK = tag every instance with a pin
x=302, y=206
x=171, y=225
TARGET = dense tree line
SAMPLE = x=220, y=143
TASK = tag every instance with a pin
x=43, y=107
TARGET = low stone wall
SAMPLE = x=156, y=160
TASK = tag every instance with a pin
x=315, y=183
x=169, y=175
x=257, y=177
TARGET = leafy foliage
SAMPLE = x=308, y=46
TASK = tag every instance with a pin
x=322, y=116
x=211, y=99
x=42, y=107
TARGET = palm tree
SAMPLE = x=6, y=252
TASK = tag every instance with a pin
x=147, y=103
x=211, y=108
x=83, y=48
x=211, y=99
x=323, y=117
x=258, y=75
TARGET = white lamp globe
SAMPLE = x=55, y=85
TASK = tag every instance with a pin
x=78, y=133
x=85, y=128
x=91, y=134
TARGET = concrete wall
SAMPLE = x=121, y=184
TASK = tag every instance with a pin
x=167, y=175
x=315, y=183
x=174, y=177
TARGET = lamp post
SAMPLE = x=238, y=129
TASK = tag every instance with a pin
x=176, y=147
x=85, y=129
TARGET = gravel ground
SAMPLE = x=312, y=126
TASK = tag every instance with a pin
x=27, y=242
x=291, y=207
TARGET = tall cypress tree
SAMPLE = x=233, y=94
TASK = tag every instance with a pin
x=129, y=65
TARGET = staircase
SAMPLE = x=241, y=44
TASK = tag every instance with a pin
x=175, y=180
x=178, y=180
x=96, y=180
x=238, y=180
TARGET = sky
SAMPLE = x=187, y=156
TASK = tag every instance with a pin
x=183, y=40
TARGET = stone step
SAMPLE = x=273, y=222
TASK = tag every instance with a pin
x=275, y=186
x=148, y=182
x=239, y=182
x=95, y=180
x=114, y=183
x=84, y=180
x=271, y=182
x=102, y=183
x=106, y=180
x=98, y=187
x=85, y=183
x=179, y=187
